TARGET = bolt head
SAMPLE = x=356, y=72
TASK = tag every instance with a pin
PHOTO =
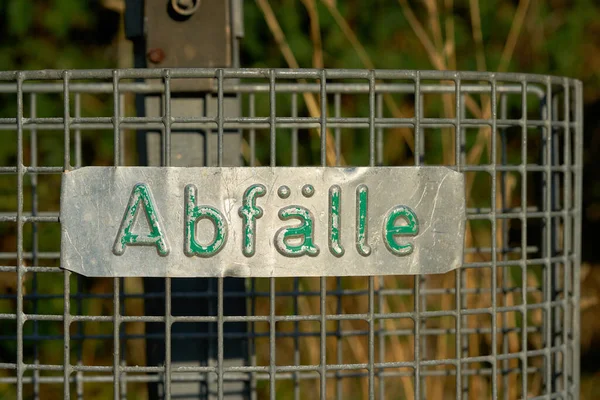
x=156, y=56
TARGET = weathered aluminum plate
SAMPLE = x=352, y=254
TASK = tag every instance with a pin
x=261, y=222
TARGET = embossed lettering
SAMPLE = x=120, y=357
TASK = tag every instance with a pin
x=125, y=237
x=391, y=230
x=250, y=213
x=195, y=213
x=362, y=197
x=335, y=222
x=302, y=233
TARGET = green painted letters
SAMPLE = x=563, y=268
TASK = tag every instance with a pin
x=362, y=197
x=250, y=213
x=391, y=230
x=125, y=236
x=194, y=213
x=335, y=223
x=304, y=232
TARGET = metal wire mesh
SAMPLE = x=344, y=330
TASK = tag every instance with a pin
x=505, y=325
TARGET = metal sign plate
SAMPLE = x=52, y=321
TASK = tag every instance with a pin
x=261, y=222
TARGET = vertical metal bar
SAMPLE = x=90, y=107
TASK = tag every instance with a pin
x=323, y=280
x=167, y=162
x=423, y=326
x=494, y=282
x=167, y=120
x=417, y=339
x=77, y=131
x=372, y=111
x=220, y=122
x=296, y=374
x=577, y=214
x=79, y=374
x=379, y=139
x=380, y=297
x=462, y=275
x=457, y=290
x=372, y=144
x=220, y=117
x=565, y=323
x=123, y=379
x=67, y=286
x=220, y=348
x=505, y=272
x=555, y=311
x=524, y=219
x=34, y=242
x=116, y=281
x=416, y=285
x=252, y=132
x=294, y=131
x=422, y=282
x=272, y=336
x=547, y=239
x=294, y=163
x=272, y=115
x=121, y=140
x=418, y=117
x=20, y=175
x=337, y=110
x=272, y=293
x=381, y=337
x=371, y=340
x=323, y=127
x=323, y=338
x=337, y=99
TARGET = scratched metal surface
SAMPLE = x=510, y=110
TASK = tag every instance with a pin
x=95, y=199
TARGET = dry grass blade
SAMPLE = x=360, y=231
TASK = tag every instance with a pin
x=450, y=46
x=247, y=153
x=434, y=56
x=477, y=35
x=349, y=33
x=513, y=35
x=368, y=63
x=447, y=136
x=507, y=53
x=510, y=186
x=509, y=47
x=310, y=100
x=588, y=302
x=278, y=34
x=397, y=349
x=434, y=21
x=315, y=33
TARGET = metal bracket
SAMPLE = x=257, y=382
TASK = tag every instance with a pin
x=188, y=33
x=180, y=34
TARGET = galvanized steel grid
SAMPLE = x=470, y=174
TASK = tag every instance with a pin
x=545, y=322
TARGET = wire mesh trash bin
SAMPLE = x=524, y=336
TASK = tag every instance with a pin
x=505, y=324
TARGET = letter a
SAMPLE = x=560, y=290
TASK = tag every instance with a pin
x=125, y=236
x=303, y=232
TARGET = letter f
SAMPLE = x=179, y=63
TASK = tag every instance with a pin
x=250, y=213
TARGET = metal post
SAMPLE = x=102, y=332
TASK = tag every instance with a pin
x=191, y=33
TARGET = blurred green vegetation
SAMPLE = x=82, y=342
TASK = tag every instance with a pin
x=558, y=37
